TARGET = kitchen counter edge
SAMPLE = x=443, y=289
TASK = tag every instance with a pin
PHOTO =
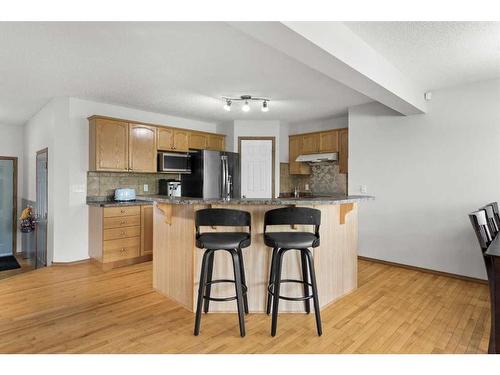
x=260, y=201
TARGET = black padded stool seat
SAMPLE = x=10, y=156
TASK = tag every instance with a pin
x=223, y=241
x=231, y=242
x=294, y=240
x=282, y=242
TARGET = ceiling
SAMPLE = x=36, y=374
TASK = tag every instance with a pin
x=437, y=54
x=178, y=68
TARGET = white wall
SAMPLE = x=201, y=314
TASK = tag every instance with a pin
x=62, y=126
x=319, y=125
x=427, y=173
x=40, y=133
x=11, y=144
x=227, y=128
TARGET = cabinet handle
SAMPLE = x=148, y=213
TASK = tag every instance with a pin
x=122, y=211
x=123, y=222
x=123, y=233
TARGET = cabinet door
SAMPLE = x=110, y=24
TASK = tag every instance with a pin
x=343, y=150
x=146, y=230
x=310, y=143
x=294, y=149
x=198, y=141
x=329, y=141
x=216, y=142
x=165, y=139
x=142, y=148
x=111, y=145
x=181, y=140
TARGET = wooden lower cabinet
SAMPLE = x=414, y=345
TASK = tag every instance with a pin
x=120, y=236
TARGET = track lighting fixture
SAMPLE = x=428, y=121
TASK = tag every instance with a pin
x=246, y=105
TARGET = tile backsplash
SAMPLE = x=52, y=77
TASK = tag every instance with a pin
x=324, y=179
x=103, y=184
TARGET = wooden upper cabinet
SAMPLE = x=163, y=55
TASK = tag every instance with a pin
x=165, y=139
x=142, y=148
x=108, y=145
x=295, y=149
x=215, y=142
x=173, y=140
x=343, y=150
x=119, y=145
x=181, y=140
x=310, y=143
x=329, y=141
x=198, y=141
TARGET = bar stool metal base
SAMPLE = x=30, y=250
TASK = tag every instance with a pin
x=206, y=282
x=308, y=281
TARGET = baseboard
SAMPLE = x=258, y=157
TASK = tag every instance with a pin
x=426, y=270
x=70, y=263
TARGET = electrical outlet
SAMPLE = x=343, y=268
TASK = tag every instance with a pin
x=363, y=189
x=146, y=188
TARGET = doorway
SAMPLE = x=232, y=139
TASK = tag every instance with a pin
x=42, y=159
x=257, y=155
x=8, y=206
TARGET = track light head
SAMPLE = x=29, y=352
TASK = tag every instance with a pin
x=265, y=106
x=245, y=107
x=227, y=106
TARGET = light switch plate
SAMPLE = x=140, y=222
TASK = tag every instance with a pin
x=146, y=188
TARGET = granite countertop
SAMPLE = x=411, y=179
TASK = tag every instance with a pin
x=109, y=202
x=333, y=199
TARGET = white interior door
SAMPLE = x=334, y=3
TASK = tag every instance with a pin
x=256, y=168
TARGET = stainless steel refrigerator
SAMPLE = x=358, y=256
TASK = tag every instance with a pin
x=214, y=174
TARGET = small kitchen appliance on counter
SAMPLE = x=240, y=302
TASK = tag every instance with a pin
x=172, y=188
x=124, y=195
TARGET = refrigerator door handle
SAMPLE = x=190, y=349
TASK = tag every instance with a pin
x=224, y=189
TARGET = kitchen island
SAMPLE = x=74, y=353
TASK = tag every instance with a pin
x=176, y=260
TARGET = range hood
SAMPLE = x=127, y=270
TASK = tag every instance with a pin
x=317, y=158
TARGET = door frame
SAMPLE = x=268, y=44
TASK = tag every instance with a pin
x=42, y=151
x=273, y=140
x=14, y=203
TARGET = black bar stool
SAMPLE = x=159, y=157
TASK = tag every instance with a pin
x=496, y=212
x=481, y=227
x=490, y=217
x=281, y=242
x=232, y=242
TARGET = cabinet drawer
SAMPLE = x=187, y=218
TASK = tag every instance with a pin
x=122, y=211
x=122, y=221
x=125, y=232
x=124, y=252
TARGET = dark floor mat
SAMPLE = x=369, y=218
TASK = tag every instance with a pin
x=8, y=263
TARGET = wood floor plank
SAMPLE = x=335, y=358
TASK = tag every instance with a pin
x=81, y=309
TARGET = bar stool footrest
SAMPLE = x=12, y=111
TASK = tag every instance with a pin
x=223, y=299
x=270, y=288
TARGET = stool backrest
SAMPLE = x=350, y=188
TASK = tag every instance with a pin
x=481, y=228
x=490, y=218
x=293, y=216
x=222, y=217
x=496, y=212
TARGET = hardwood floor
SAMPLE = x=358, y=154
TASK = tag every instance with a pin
x=81, y=309
x=26, y=265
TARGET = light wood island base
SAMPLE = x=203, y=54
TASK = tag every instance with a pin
x=176, y=260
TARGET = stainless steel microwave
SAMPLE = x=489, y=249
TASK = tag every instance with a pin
x=174, y=162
